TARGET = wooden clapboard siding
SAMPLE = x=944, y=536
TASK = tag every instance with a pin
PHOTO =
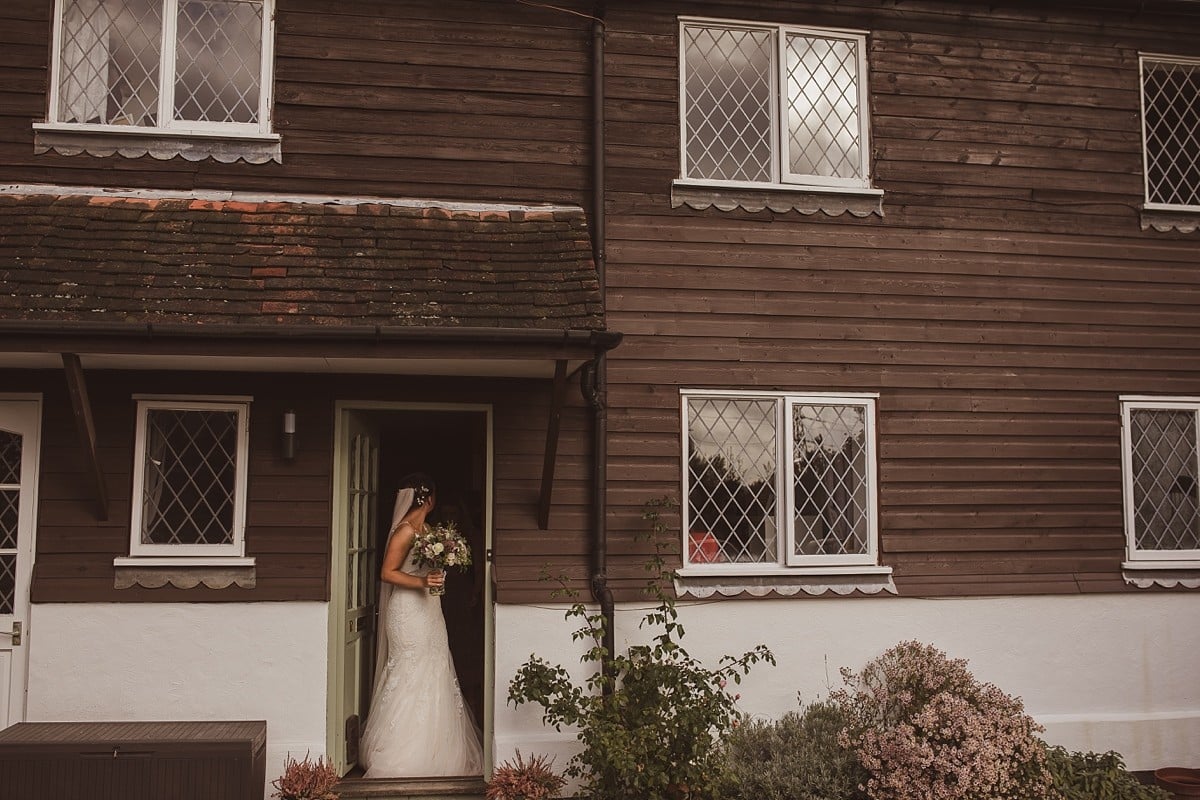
x=471, y=99
x=522, y=552
x=289, y=503
x=1001, y=306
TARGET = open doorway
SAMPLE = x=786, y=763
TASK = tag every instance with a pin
x=377, y=446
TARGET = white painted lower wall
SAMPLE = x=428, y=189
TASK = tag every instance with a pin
x=192, y=661
x=1101, y=672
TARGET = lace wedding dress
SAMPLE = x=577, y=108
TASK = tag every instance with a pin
x=418, y=725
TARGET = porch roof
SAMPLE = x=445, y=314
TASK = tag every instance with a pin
x=98, y=280
x=218, y=281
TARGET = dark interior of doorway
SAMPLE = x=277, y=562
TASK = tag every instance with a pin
x=451, y=447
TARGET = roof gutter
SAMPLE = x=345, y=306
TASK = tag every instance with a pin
x=597, y=340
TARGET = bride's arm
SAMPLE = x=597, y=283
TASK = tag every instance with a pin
x=397, y=550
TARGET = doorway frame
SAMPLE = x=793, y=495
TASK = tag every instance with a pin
x=23, y=594
x=335, y=670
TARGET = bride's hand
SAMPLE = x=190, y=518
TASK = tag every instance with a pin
x=437, y=578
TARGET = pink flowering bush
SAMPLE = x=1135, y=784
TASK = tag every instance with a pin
x=925, y=729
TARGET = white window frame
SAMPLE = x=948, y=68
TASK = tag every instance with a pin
x=788, y=563
x=1138, y=558
x=780, y=178
x=1142, y=59
x=190, y=554
x=167, y=125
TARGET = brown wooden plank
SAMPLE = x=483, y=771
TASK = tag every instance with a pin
x=1024, y=541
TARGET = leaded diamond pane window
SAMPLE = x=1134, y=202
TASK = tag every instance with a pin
x=1162, y=465
x=8, y=582
x=778, y=480
x=731, y=479
x=9, y=514
x=162, y=64
x=830, y=480
x=190, y=492
x=10, y=457
x=218, y=60
x=10, y=499
x=9, y=508
x=1171, y=130
x=773, y=105
x=729, y=90
x=824, y=128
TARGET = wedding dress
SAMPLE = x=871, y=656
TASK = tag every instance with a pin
x=418, y=725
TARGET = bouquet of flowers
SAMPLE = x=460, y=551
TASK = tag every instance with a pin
x=440, y=547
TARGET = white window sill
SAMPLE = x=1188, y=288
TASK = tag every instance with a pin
x=185, y=572
x=227, y=146
x=1166, y=574
x=780, y=198
x=759, y=581
x=1164, y=218
x=183, y=561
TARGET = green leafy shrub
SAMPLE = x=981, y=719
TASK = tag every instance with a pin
x=649, y=720
x=796, y=757
x=926, y=729
x=1097, y=776
x=519, y=779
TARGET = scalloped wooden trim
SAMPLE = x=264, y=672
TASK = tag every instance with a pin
x=1167, y=221
x=785, y=585
x=185, y=577
x=162, y=148
x=1167, y=579
x=781, y=201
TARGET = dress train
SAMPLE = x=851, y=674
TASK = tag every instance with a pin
x=418, y=725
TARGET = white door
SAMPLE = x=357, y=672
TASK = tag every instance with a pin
x=19, y=448
x=355, y=576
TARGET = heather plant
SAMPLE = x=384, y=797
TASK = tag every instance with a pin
x=306, y=780
x=649, y=720
x=796, y=757
x=924, y=728
x=519, y=779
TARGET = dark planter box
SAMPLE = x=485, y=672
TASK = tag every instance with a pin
x=133, y=760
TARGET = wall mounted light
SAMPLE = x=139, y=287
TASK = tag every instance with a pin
x=289, y=434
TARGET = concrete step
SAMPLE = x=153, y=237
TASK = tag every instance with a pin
x=469, y=788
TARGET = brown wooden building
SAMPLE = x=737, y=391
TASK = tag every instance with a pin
x=898, y=299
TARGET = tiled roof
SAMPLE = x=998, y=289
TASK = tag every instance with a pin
x=139, y=260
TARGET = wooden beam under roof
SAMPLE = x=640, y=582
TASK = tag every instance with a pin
x=553, y=426
x=77, y=388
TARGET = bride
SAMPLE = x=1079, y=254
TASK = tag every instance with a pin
x=418, y=725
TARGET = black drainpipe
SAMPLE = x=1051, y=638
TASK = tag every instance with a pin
x=594, y=382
